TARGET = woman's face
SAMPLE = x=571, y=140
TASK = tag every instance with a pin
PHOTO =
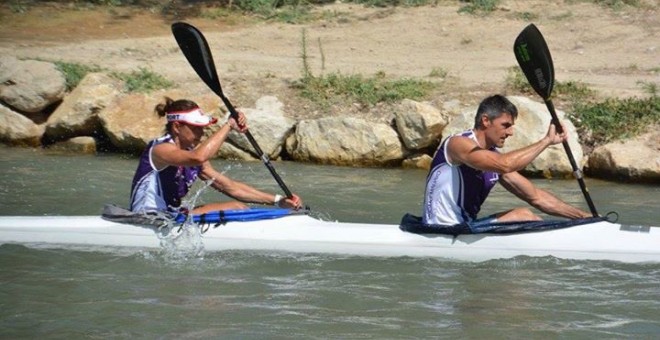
x=189, y=135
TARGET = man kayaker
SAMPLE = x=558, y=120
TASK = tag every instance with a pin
x=170, y=164
x=467, y=166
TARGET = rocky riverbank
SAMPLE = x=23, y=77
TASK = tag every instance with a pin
x=258, y=63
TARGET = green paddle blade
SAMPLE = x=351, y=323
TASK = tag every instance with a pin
x=535, y=61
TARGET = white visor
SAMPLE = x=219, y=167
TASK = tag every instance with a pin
x=193, y=117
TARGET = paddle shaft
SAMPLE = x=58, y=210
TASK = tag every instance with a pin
x=576, y=171
x=264, y=158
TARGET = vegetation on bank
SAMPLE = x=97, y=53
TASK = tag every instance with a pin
x=294, y=11
x=600, y=120
x=325, y=90
x=142, y=80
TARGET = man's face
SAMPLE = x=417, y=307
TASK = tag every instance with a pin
x=498, y=129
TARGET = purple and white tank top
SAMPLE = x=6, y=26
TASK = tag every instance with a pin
x=160, y=189
x=454, y=194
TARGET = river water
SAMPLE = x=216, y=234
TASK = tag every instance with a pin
x=65, y=293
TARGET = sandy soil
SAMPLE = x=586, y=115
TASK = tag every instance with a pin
x=611, y=51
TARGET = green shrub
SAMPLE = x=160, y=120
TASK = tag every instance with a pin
x=649, y=87
x=607, y=120
x=327, y=89
x=393, y=3
x=74, y=73
x=143, y=80
x=613, y=4
x=438, y=73
x=516, y=81
x=290, y=11
x=615, y=119
x=479, y=6
x=567, y=91
x=573, y=91
x=336, y=88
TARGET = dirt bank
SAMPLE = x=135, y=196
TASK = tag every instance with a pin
x=611, y=51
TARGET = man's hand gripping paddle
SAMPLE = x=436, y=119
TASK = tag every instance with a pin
x=194, y=46
x=535, y=61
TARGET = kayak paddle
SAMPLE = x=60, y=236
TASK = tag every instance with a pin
x=535, y=61
x=194, y=46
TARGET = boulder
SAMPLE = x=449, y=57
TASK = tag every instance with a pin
x=345, y=141
x=422, y=161
x=30, y=85
x=78, y=113
x=419, y=125
x=268, y=126
x=131, y=122
x=637, y=159
x=229, y=151
x=18, y=130
x=86, y=145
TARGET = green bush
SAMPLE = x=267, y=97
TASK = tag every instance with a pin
x=366, y=91
x=573, y=90
x=143, y=80
x=290, y=11
x=613, y=4
x=479, y=6
x=606, y=120
x=74, y=73
x=393, y=3
x=615, y=119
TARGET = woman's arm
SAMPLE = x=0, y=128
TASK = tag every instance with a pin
x=243, y=192
x=170, y=154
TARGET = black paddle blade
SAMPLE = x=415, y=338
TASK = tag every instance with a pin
x=535, y=61
x=194, y=46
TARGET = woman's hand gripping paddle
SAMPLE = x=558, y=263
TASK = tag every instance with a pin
x=535, y=61
x=194, y=46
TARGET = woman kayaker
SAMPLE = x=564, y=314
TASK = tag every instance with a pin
x=170, y=164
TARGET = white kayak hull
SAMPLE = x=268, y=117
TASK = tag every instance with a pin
x=302, y=233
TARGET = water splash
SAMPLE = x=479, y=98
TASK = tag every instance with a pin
x=184, y=240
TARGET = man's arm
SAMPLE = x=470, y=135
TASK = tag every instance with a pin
x=540, y=199
x=463, y=150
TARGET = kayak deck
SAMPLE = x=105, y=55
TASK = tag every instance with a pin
x=302, y=233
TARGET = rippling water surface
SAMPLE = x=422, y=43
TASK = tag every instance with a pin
x=148, y=294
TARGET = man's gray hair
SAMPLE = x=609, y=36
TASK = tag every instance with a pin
x=493, y=107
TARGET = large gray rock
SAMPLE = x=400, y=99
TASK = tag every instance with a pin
x=345, y=141
x=637, y=159
x=18, y=130
x=30, y=85
x=78, y=113
x=229, y=151
x=268, y=126
x=532, y=124
x=419, y=125
x=131, y=122
x=422, y=161
x=78, y=145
